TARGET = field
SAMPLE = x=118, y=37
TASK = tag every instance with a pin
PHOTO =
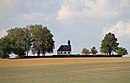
x=65, y=70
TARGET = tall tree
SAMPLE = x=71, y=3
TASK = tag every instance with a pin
x=5, y=48
x=43, y=39
x=17, y=39
x=109, y=44
x=94, y=50
x=20, y=41
x=121, y=51
x=85, y=51
x=28, y=39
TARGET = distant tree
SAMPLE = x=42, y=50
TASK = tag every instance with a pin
x=94, y=51
x=121, y=51
x=109, y=44
x=85, y=51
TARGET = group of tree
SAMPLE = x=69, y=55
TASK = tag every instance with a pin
x=109, y=46
x=20, y=41
x=86, y=51
x=39, y=39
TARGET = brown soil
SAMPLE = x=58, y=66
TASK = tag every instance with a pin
x=47, y=61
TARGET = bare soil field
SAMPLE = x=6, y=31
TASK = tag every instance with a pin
x=47, y=61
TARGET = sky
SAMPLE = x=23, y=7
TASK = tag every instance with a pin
x=83, y=22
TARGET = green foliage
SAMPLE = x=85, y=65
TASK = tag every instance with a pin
x=94, y=51
x=20, y=40
x=85, y=51
x=121, y=51
x=17, y=39
x=4, y=47
x=28, y=39
x=109, y=44
x=43, y=39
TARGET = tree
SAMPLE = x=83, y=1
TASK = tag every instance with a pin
x=121, y=51
x=94, y=50
x=17, y=41
x=85, y=51
x=4, y=47
x=28, y=39
x=21, y=40
x=42, y=39
x=109, y=44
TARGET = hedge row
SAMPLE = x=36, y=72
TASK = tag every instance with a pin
x=62, y=56
x=87, y=55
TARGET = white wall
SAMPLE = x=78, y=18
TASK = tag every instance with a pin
x=63, y=52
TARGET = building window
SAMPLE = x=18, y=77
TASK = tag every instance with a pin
x=68, y=52
x=64, y=52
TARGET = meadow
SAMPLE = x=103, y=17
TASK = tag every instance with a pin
x=65, y=70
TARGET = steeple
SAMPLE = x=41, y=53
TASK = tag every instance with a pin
x=69, y=42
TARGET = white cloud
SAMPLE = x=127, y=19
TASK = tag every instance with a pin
x=36, y=16
x=7, y=7
x=9, y=13
x=121, y=29
x=124, y=3
x=63, y=14
x=70, y=9
x=101, y=8
x=97, y=9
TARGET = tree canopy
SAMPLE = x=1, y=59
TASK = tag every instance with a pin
x=94, y=50
x=5, y=48
x=121, y=51
x=21, y=40
x=17, y=41
x=42, y=39
x=85, y=51
x=109, y=45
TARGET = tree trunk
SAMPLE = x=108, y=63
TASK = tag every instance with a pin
x=27, y=53
x=43, y=53
x=38, y=53
x=110, y=51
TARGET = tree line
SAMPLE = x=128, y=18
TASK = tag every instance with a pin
x=39, y=40
x=109, y=46
x=20, y=41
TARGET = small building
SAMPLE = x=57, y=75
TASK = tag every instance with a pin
x=64, y=49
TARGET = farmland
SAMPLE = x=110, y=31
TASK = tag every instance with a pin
x=65, y=70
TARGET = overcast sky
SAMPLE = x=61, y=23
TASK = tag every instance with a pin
x=83, y=22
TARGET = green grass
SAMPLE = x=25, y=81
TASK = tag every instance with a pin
x=111, y=72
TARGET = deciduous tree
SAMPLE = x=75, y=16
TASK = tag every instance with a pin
x=20, y=40
x=109, y=44
x=17, y=39
x=85, y=51
x=43, y=39
x=94, y=50
x=5, y=48
x=121, y=51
